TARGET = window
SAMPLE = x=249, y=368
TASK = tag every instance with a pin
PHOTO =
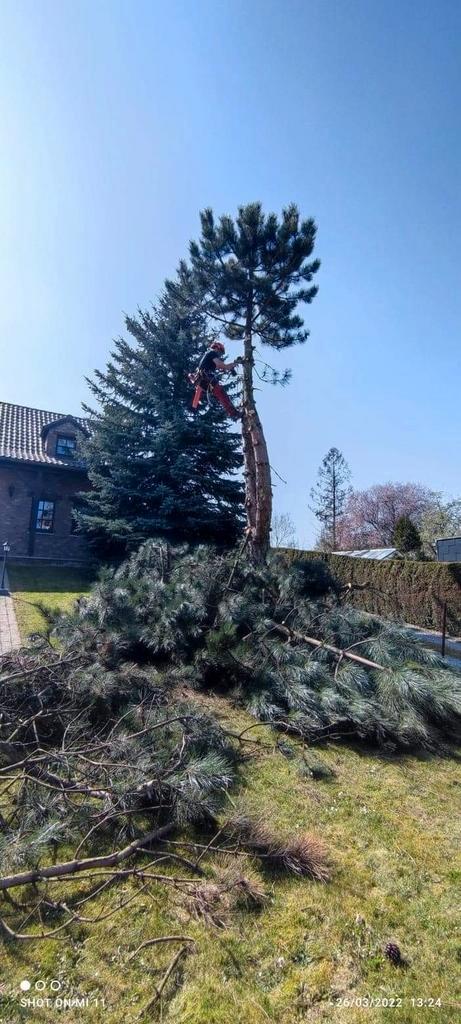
x=45, y=516
x=65, y=446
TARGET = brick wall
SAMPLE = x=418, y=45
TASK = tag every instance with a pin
x=21, y=487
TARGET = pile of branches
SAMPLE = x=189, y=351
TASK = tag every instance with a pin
x=101, y=758
x=282, y=641
x=105, y=750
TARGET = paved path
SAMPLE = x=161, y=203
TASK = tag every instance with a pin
x=431, y=638
x=9, y=632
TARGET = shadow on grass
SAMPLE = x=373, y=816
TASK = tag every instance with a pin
x=50, y=580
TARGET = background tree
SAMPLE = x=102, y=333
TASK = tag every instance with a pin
x=254, y=272
x=370, y=516
x=441, y=519
x=330, y=494
x=406, y=537
x=283, y=531
x=158, y=469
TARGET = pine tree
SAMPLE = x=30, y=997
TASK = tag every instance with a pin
x=406, y=537
x=253, y=272
x=156, y=468
x=330, y=494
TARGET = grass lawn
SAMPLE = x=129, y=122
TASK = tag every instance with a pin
x=55, y=586
x=391, y=827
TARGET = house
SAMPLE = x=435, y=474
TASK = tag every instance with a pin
x=380, y=554
x=41, y=473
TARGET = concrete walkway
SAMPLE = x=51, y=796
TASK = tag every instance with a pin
x=9, y=632
x=433, y=639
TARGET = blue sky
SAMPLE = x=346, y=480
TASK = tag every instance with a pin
x=121, y=120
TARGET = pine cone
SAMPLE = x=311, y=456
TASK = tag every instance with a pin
x=392, y=951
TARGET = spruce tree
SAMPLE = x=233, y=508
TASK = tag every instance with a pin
x=330, y=494
x=406, y=536
x=157, y=468
x=253, y=273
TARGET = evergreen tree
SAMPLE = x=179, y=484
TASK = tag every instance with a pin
x=156, y=468
x=406, y=537
x=330, y=494
x=253, y=272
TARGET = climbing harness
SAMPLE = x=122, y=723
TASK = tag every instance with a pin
x=205, y=382
x=205, y=385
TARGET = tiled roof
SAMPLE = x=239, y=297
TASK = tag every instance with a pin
x=21, y=434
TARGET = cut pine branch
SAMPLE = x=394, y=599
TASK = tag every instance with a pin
x=292, y=634
x=72, y=867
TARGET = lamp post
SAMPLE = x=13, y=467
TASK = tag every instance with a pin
x=6, y=548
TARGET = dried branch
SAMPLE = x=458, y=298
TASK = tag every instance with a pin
x=159, y=989
x=41, y=667
x=160, y=939
x=20, y=937
x=71, y=867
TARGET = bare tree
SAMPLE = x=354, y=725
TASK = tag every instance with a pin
x=441, y=519
x=283, y=529
x=370, y=516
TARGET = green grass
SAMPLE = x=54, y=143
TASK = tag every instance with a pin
x=54, y=586
x=391, y=827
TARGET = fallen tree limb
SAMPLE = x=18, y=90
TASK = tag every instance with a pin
x=292, y=634
x=71, y=867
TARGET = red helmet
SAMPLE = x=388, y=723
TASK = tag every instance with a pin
x=218, y=346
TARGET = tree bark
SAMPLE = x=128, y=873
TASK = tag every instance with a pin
x=258, y=484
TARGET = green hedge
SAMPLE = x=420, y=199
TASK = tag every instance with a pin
x=410, y=591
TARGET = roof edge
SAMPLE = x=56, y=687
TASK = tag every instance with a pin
x=39, y=464
x=60, y=422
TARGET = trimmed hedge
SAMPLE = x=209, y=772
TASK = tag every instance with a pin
x=399, y=589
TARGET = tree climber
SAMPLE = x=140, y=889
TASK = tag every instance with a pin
x=205, y=378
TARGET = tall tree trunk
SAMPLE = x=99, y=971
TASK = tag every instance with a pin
x=249, y=471
x=258, y=484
